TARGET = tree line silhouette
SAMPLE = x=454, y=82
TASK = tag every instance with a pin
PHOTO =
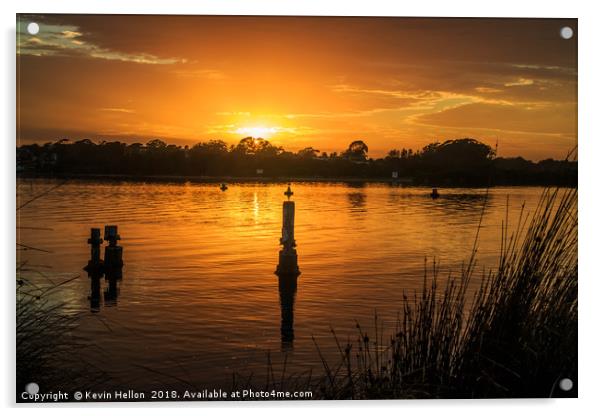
x=452, y=162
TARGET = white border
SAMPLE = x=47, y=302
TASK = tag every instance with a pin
x=590, y=152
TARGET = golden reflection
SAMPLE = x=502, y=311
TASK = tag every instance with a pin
x=255, y=207
x=223, y=246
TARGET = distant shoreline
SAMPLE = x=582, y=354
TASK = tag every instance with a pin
x=454, y=163
x=209, y=179
x=259, y=179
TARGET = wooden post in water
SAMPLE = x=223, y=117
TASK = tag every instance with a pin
x=287, y=262
x=113, y=252
x=95, y=241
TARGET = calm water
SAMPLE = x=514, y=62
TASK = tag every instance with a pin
x=199, y=299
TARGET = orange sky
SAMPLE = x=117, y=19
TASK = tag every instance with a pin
x=299, y=82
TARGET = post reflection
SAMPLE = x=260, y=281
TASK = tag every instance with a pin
x=112, y=289
x=470, y=206
x=357, y=201
x=287, y=287
x=94, y=296
x=356, y=197
x=110, y=293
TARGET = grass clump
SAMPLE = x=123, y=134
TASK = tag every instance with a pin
x=43, y=336
x=516, y=336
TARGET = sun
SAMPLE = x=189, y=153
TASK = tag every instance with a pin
x=257, y=131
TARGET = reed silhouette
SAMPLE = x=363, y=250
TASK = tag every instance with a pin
x=515, y=337
x=45, y=330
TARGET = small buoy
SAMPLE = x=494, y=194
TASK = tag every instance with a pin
x=435, y=193
x=223, y=187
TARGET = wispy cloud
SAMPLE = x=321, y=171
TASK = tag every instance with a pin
x=233, y=113
x=68, y=40
x=427, y=97
x=521, y=82
x=71, y=34
x=487, y=90
x=551, y=68
x=408, y=103
x=259, y=130
x=117, y=110
x=212, y=74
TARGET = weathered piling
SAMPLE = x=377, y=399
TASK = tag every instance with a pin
x=287, y=262
x=113, y=252
x=95, y=241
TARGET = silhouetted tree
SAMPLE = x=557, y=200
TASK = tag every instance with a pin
x=460, y=161
x=357, y=151
x=308, y=152
x=394, y=154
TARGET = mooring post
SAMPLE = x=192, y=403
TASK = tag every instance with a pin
x=113, y=252
x=287, y=264
x=95, y=241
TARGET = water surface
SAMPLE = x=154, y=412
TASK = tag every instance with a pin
x=199, y=300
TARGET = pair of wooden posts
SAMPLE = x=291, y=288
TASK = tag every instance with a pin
x=113, y=259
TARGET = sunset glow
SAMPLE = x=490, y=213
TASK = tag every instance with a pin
x=393, y=83
x=257, y=131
